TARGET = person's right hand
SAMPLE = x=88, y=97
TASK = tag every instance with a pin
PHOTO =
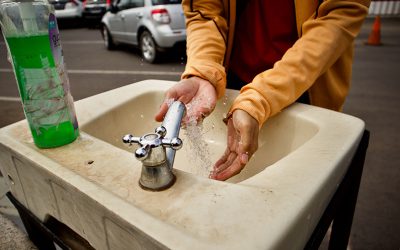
x=197, y=94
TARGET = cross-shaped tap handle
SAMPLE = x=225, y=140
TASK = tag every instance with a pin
x=152, y=140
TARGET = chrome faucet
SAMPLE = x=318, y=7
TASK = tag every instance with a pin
x=157, y=150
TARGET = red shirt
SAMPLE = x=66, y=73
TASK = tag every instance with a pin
x=265, y=30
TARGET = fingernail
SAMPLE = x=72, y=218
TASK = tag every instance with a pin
x=212, y=175
x=244, y=158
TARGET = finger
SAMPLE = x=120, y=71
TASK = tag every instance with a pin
x=206, y=106
x=233, y=136
x=248, y=143
x=224, y=165
x=223, y=158
x=159, y=117
x=193, y=118
x=231, y=145
x=234, y=169
x=196, y=112
x=247, y=148
x=171, y=94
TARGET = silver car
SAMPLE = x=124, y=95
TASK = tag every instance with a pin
x=67, y=9
x=153, y=25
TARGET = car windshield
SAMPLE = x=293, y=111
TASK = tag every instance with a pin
x=159, y=2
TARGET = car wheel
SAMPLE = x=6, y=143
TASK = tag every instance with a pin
x=148, y=47
x=108, y=41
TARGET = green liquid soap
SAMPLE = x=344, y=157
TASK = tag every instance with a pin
x=47, y=103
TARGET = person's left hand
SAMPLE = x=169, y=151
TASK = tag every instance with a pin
x=241, y=144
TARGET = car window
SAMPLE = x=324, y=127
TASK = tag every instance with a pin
x=127, y=4
x=158, y=2
x=95, y=1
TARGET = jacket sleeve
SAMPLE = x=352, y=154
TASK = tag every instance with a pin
x=206, y=30
x=324, y=39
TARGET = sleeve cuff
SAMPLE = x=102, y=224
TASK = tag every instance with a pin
x=214, y=74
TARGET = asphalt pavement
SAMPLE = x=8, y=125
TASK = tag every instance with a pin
x=373, y=98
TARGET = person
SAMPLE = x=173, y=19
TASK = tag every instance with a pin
x=275, y=52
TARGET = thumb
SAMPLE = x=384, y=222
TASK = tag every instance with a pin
x=244, y=147
x=247, y=128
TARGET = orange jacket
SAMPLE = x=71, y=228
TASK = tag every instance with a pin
x=319, y=62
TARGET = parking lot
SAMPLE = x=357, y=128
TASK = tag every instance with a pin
x=373, y=98
x=92, y=69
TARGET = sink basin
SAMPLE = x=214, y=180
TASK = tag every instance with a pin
x=91, y=184
x=278, y=138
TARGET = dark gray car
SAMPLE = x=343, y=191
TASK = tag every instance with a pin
x=94, y=10
x=153, y=25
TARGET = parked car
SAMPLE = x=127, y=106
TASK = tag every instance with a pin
x=153, y=25
x=94, y=10
x=67, y=9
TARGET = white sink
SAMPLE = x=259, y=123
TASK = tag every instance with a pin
x=91, y=184
x=281, y=135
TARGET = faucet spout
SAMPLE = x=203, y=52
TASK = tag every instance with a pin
x=172, y=123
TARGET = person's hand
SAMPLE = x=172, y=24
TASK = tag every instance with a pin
x=197, y=94
x=242, y=143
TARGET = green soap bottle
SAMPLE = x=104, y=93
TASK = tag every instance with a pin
x=33, y=41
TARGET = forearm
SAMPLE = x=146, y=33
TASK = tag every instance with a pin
x=324, y=39
x=206, y=35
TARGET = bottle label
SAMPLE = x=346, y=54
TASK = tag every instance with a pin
x=54, y=36
x=45, y=104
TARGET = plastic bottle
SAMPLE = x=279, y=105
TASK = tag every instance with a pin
x=33, y=41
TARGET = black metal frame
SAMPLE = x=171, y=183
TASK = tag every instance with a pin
x=341, y=208
x=38, y=232
x=340, y=211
